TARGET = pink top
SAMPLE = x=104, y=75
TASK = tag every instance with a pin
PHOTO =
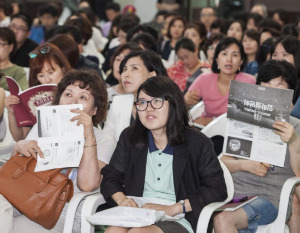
x=206, y=86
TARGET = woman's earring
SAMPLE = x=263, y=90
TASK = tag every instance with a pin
x=218, y=67
x=239, y=68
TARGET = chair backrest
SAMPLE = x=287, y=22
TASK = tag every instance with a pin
x=228, y=181
x=26, y=69
x=216, y=127
x=197, y=111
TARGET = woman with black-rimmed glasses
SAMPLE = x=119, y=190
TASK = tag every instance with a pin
x=8, y=45
x=48, y=65
x=160, y=156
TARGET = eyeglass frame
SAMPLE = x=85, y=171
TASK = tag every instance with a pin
x=150, y=102
x=43, y=50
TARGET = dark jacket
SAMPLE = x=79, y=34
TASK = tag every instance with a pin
x=20, y=57
x=197, y=173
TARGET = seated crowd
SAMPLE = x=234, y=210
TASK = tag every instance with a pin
x=137, y=83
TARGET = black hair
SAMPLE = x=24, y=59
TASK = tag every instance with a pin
x=283, y=15
x=265, y=49
x=151, y=60
x=289, y=29
x=89, y=14
x=161, y=86
x=113, y=6
x=273, y=69
x=129, y=45
x=65, y=29
x=225, y=43
x=200, y=28
x=220, y=23
x=25, y=17
x=135, y=30
x=253, y=34
x=213, y=37
x=256, y=18
x=290, y=44
x=185, y=43
x=269, y=23
x=49, y=9
x=146, y=40
x=6, y=34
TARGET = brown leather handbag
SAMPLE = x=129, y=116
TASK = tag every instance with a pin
x=40, y=196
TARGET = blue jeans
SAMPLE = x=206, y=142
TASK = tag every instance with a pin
x=260, y=212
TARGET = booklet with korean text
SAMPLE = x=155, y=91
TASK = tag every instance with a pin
x=30, y=99
x=251, y=112
x=60, y=139
x=236, y=202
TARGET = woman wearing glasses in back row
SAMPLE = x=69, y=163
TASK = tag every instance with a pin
x=48, y=65
x=161, y=157
x=8, y=46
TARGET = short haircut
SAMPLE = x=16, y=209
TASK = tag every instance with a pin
x=53, y=56
x=88, y=80
x=213, y=38
x=273, y=69
x=68, y=47
x=209, y=7
x=6, y=34
x=283, y=15
x=71, y=30
x=89, y=13
x=225, y=43
x=177, y=18
x=146, y=40
x=200, y=29
x=220, y=23
x=269, y=23
x=113, y=6
x=23, y=16
x=84, y=26
x=185, y=43
x=50, y=9
x=263, y=7
x=253, y=34
x=151, y=60
x=256, y=18
x=289, y=29
x=161, y=86
x=127, y=46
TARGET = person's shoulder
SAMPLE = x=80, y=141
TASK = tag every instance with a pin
x=244, y=77
x=30, y=43
x=193, y=134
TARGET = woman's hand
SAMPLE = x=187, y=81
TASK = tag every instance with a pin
x=10, y=101
x=86, y=120
x=256, y=168
x=191, y=97
x=170, y=210
x=28, y=148
x=129, y=202
x=286, y=131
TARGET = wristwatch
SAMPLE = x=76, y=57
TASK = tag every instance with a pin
x=181, y=202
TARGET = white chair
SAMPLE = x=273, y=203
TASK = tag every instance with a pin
x=195, y=112
x=216, y=127
x=93, y=200
x=277, y=226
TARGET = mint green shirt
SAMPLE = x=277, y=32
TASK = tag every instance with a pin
x=159, y=181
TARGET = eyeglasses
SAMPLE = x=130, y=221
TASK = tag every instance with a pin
x=156, y=103
x=15, y=27
x=3, y=44
x=206, y=15
x=43, y=50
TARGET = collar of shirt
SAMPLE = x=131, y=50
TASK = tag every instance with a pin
x=152, y=146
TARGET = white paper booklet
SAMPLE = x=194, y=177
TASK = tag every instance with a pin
x=61, y=140
x=252, y=110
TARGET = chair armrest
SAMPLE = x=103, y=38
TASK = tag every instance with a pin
x=206, y=214
x=89, y=208
x=72, y=207
x=286, y=190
